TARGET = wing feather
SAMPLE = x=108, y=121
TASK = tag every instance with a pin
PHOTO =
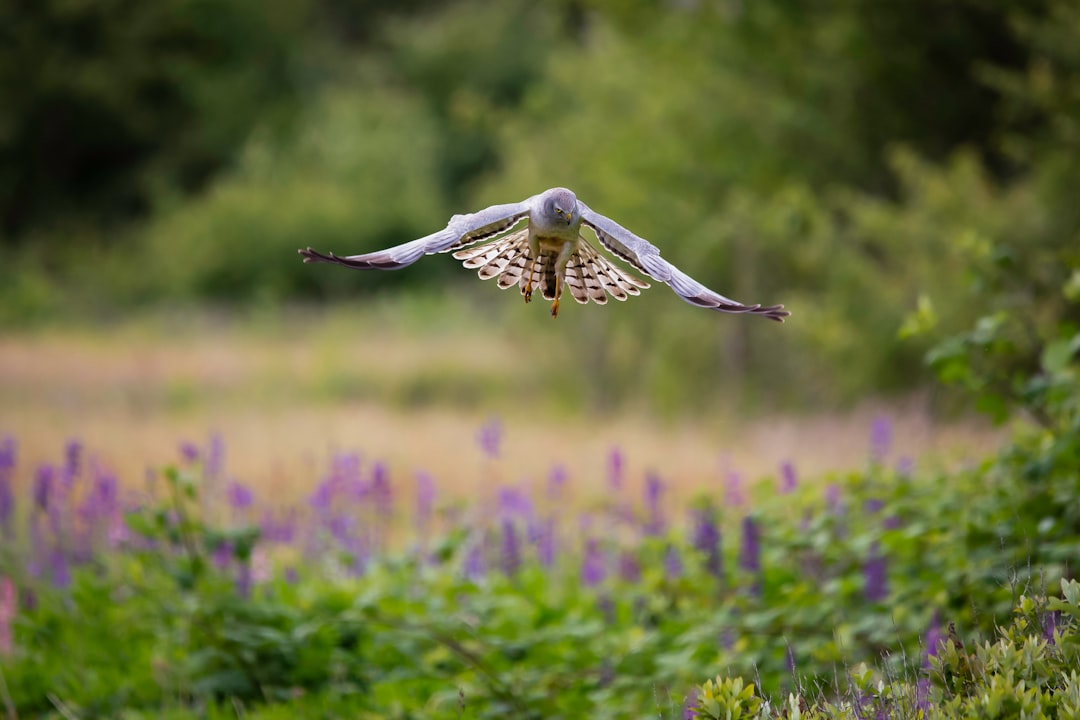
x=645, y=256
x=461, y=231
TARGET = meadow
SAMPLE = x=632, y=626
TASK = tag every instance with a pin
x=153, y=567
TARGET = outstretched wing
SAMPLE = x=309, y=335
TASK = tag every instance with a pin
x=462, y=230
x=645, y=256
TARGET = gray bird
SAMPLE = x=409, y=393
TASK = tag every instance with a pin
x=548, y=253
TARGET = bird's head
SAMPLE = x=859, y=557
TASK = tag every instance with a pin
x=561, y=206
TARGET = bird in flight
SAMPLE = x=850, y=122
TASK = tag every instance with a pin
x=549, y=254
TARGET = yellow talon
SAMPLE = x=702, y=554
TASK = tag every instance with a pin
x=555, y=309
x=528, y=292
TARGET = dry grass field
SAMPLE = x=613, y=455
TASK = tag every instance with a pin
x=286, y=394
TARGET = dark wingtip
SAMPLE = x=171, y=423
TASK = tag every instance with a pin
x=775, y=312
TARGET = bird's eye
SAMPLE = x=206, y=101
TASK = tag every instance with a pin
x=558, y=210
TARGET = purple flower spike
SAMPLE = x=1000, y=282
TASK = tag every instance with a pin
x=673, y=567
x=689, y=704
x=593, y=569
x=72, y=460
x=934, y=637
x=750, y=552
x=7, y=494
x=1050, y=624
x=788, y=479
x=189, y=452
x=475, y=567
x=545, y=544
x=880, y=439
x=556, y=482
x=629, y=567
x=905, y=466
x=511, y=548
x=489, y=438
x=43, y=487
x=654, y=489
x=61, y=571
x=733, y=492
x=832, y=499
x=7, y=454
x=9, y=608
x=616, y=467
x=425, y=503
x=706, y=540
x=875, y=575
x=215, y=457
x=239, y=496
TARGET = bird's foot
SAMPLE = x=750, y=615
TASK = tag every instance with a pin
x=528, y=292
x=555, y=309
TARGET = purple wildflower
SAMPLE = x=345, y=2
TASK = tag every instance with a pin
x=291, y=576
x=514, y=503
x=788, y=478
x=905, y=466
x=489, y=438
x=43, y=487
x=733, y=491
x=215, y=457
x=511, y=548
x=934, y=636
x=9, y=607
x=689, y=703
x=7, y=454
x=706, y=540
x=239, y=496
x=880, y=439
x=1050, y=623
x=7, y=494
x=278, y=531
x=244, y=579
x=673, y=567
x=654, y=489
x=61, y=571
x=425, y=503
x=556, y=482
x=629, y=567
x=892, y=522
x=750, y=552
x=872, y=506
x=475, y=567
x=616, y=469
x=72, y=460
x=545, y=543
x=832, y=499
x=875, y=575
x=381, y=491
x=222, y=555
x=189, y=452
x=593, y=567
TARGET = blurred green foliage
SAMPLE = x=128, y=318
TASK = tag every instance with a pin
x=857, y=162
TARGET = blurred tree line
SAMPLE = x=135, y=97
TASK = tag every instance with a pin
x=863, y=162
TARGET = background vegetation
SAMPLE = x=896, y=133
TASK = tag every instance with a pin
x=848, y=159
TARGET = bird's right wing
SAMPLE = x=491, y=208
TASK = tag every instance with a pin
x=462, y=230
x=645, y=256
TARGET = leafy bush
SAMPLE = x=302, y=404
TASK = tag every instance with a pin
x=1029, y=671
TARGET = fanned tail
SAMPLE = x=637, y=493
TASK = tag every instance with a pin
x=591, y=276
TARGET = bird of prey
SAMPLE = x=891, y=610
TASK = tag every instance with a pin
x=549, y=253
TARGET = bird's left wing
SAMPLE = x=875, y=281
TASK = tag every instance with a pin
x=645, y=256
x=462, y=230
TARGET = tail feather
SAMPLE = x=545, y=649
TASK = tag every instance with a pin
x=589, y=275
